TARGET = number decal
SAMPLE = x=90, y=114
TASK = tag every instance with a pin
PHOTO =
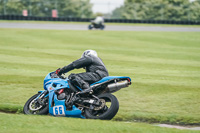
x=58, y=110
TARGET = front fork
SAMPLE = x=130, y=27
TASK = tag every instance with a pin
x=41, y=96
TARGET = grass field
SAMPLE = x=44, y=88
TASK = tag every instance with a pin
x=164, y=67
x=49, y=124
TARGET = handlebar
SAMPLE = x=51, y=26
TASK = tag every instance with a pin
x=54, y=75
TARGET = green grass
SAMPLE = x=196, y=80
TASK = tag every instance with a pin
x=164, y=67
x=49, y=124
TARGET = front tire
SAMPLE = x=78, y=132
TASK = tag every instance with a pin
x=41, y=110
x=108, y=112
x=90, y=27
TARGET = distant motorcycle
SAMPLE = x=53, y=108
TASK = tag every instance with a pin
x=96, y=26
x=60, y=98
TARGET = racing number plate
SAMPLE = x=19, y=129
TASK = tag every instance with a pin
x=59, y=110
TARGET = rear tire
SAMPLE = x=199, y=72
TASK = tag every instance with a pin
x=102, y=27
x=42, y=111
x=109, y=113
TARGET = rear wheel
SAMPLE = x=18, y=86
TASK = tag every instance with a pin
x=102, y=27
x=33, y=107
x=107, y=110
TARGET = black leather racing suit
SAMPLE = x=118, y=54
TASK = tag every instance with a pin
x=95, y=70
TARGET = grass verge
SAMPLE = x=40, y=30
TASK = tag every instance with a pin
x=47, y=124
x=164, y=68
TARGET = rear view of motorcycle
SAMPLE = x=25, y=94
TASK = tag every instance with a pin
x=96, y=26
x=61, y=98
x=98, y=23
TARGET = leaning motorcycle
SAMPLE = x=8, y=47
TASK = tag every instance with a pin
x=60, y=98
x=100, y=26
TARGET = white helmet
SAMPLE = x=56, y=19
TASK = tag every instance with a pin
x=89, y=52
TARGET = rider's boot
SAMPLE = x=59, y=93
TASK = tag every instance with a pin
x=70, y=103
x=69, y=106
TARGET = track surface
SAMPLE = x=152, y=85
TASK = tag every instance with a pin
x=108, y=27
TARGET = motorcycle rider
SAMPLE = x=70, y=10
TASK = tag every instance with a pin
x=95, y=71
x=98, y=20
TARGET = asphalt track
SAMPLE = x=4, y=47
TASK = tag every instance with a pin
x=76, y=26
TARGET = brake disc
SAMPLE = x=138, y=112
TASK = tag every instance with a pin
x=103, y=103
x=33, y=107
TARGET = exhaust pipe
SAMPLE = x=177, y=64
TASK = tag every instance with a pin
x=117, y=86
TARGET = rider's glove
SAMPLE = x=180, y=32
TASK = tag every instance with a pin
x=58, y=71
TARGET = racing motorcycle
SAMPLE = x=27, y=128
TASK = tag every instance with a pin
x=60, y=97
x=96, y=26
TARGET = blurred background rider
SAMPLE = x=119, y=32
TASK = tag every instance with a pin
x=99, y=20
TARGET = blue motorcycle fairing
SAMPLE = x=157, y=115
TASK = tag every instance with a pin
x=59, y=83
x=48, y=80
x=111, y=77
x=59, y=107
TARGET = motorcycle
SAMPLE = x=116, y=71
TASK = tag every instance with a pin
x=96, y=26
x=60, y=98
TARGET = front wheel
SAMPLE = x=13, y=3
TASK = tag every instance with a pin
x=107, y=110
x=90, y=27
x=33, y=107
